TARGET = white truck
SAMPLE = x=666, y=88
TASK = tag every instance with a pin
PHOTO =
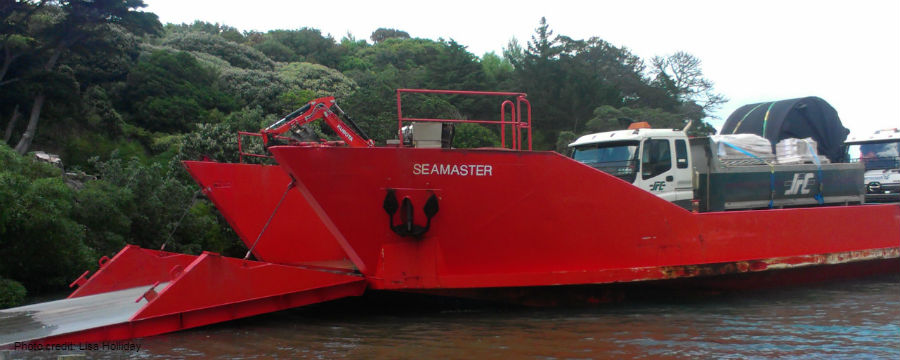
x=880, y=153
x=690, y=173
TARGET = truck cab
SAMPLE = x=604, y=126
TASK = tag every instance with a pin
x=656, y=160
x=880, y=153
x=714, y=174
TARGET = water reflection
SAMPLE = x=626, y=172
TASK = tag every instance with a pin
x=840, y=320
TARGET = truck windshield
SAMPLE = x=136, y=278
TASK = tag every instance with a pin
x=876, y=156
x=614, y=158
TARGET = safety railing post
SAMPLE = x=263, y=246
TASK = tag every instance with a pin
x=512, y=111
x=519, y=101
x=240, y=149
x=515, y=112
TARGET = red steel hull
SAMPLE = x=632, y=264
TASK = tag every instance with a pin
x=533, y=228
x=541, y=219
x=142, y=292
x=247, y=196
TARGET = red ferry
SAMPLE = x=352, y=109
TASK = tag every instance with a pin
x=505, y=224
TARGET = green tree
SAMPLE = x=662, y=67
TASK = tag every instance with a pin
x=468, y=135
x=12, y=293
x=681, y=75
x=276, y=50
x=302, y=45
x=514, y=52
x=608, y=118
x=567, y=79
x=540, y=74
x=372, y=104
x=103, y=210
x=254, y=88
x=415, y=63
x=237, y=55
x=351, y=58
x=563, y=140
x=382, y=34
x=40, y=243
x=20, y=25
x=170, y=92
x=100, y=113
x=106, y=57
x=229, y=33
x=321, y=80
x=218, y=141
x=563, y=77
x=496, y=68
x=454, y=67
x=79, y=20
x=160, y=193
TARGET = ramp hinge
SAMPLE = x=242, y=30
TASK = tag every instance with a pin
x=80, y=280
x=150, y=294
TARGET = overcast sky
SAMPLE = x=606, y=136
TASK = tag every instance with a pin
x=846, y=52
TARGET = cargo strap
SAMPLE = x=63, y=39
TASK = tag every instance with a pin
x=744, y=118
x=766, y=119
x=771, y=172
x=819, y=196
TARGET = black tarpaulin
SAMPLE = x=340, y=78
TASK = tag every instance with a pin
x=792, y=118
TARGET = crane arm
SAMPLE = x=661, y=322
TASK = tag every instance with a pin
x=322, y=108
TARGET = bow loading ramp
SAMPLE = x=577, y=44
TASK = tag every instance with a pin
x=142, y=292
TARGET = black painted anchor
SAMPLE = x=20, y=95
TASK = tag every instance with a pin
x=407, y=226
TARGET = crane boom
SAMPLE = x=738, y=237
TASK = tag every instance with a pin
x=322, y=108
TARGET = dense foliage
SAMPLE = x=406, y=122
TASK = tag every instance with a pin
x=122, y=99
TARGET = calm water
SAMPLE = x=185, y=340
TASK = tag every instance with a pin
x=854, y=319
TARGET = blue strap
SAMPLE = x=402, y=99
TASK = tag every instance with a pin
x=771, y=171
x=819, y=197
x=742, y=151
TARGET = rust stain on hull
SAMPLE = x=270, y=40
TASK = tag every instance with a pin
x=778, y=263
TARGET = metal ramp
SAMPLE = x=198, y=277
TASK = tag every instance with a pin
x=142, y=292
x=65, y=316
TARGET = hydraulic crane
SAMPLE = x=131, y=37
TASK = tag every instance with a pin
x=322, y=108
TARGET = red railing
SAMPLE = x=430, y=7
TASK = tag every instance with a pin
x=515, y=110
x=241, y=152
x=516, y=123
